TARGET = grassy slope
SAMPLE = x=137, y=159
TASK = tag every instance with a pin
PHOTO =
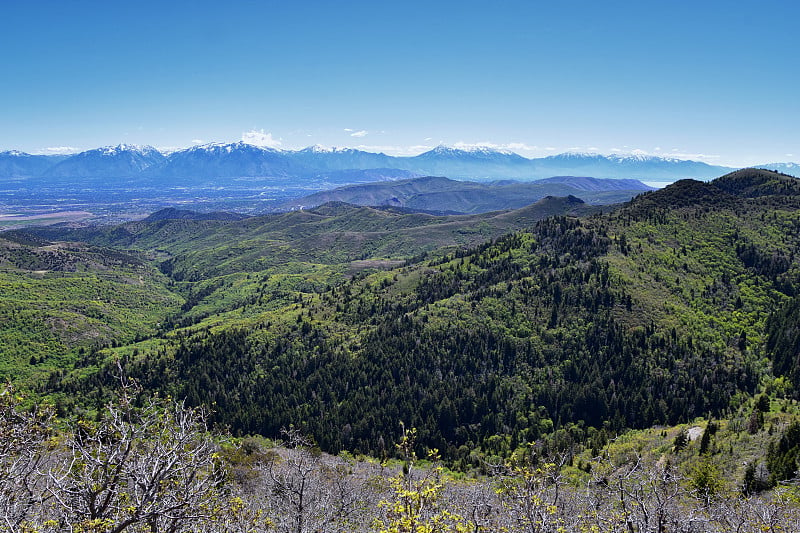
x=681, y=279
x=59, y=299
x=224, y=265
x=696, y=266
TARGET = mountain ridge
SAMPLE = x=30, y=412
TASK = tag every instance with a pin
x=242, y=159
x=430, y=193
x=487, y=332
x=655, y=312
x=121, y=161
x=744, y=184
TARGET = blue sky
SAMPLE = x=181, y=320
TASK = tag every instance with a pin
x=713, y=80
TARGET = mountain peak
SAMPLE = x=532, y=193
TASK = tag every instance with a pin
x=484, y=152
x=792, y=169
x=644, y=158
x=222, y=148
x=489, y=150
x=226, y=160
x=573, y=156
x=319, y=149
x=756, y=182
x=634, y=157
x=683, y=193
x=123, y=147
x=443, y=149
x=619, y=157
x=120, y=161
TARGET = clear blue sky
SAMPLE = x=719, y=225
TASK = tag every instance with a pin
x=713, y=79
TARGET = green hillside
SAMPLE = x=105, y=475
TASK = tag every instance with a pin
x=69, y=292
x=222, y=265
x=571, y=330
x=486, y=333
x=59, y=300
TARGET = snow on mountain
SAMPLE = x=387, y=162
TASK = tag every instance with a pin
x=323, y=158
x=637, y=166
x=627, y=158
x=575, y=156
x=793, y=169
x=644, y=158
x=470, y=163
x=16, y=164
x=230, y=160
x=121, y=161
x=229, y=148
x=240, y=159
x=121, y=149
x=319, y=149
x=472, y=152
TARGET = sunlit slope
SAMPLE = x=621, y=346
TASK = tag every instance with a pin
x=656, y=313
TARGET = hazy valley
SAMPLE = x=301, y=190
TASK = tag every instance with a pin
x=115, y=184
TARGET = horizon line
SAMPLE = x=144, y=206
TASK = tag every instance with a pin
x=460, y=147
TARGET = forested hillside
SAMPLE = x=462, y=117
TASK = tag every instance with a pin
x=59, y=300
x=218, y=265
x=569, y=331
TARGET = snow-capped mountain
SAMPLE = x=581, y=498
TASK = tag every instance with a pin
x=637, y=166
x=318, y=164
x=793, y=169
x=320, y=157
x=121, y=161
x=477, y=153
x=472, y=163
x=220, y=160
x=16, y=164
x=488, y=163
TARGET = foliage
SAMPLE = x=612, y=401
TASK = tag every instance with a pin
x=60, y=301
x=414, y=506
x=150, y=467
x=783, y=455
x=126, y=470
x=566, y=331
x=23, y=437
x=529, y=490
x=705, y=480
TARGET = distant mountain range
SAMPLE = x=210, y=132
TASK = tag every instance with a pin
x=793, y=169
x=343, y=165
x=16, y=164
x=121, y=161
x=443, y=195
x=172, y=213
